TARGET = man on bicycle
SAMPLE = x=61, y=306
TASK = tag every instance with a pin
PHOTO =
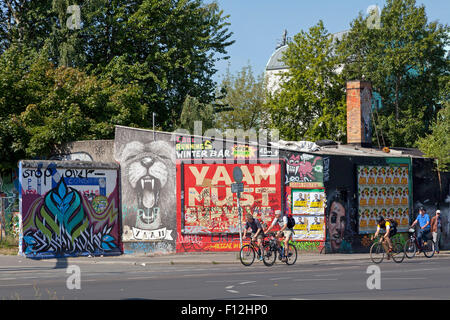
x=391, y=230
x=257, y=233
x=284, y=231
x=424, y=223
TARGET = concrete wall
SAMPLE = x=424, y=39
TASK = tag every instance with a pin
x=148, y=183
x=345, y=212
x=90, y=150
x=69, y=208
x=176, y=193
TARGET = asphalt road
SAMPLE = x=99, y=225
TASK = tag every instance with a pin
x=419, y=278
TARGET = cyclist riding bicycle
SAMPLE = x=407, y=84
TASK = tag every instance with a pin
x=423, y=219
x=284, y=231
x=257, y=233
x=391, y=230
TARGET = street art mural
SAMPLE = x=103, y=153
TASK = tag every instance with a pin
x=303, y=168
x=308, y=207
x=68, y=209
x=180, y=199
x=340, y=234
x=383, y=191
x=210, y=211
x=148, y=189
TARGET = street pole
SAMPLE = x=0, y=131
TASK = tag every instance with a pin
x=238, y=188
x=153, y=126
x=240, y=217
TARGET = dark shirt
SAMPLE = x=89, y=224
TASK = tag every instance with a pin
x=254, y=225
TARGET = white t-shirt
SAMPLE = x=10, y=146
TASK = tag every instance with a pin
x=281, y=221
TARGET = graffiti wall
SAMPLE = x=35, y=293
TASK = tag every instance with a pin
x=210, y=208
x=147, y=162
x=383, y=191
x=360, y=189
x=69, y=209
x=308, y=210
x=303, y=169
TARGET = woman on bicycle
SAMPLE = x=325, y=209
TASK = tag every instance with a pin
x=391, y=230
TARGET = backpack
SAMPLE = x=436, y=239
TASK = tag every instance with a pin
x=290, y=221
x=392, y=222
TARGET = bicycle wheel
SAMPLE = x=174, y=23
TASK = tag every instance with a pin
x=291, y=255
x=398, y=254
x=269, y=255
x=428, y=248
x=410, y=248
x=247, y=255
x=377, y=252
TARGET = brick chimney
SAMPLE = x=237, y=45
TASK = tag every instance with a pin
x=359, y=108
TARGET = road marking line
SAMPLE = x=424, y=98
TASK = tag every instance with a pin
x=281, y=278
x=316, y=279
x=327, y=275
x=247, y=282
x=257, y=295
x=233, y=291
x=382, y=278
x=229, y=287
x=16, y=285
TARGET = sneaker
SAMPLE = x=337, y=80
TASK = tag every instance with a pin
x=260, y=258
x=284, y=259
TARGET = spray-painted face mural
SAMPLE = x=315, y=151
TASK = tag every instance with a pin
x=336, y=223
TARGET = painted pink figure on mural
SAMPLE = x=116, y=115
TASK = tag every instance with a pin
x=303, y=168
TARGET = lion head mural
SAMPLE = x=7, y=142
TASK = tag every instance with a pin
x=148, y=185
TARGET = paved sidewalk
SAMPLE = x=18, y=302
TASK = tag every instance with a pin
x=196, y=258
x=216, y=258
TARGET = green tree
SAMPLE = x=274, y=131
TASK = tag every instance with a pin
x=167, y=47
x=43, y=106
x=194, y=111
x=25, y=21
x=244, y=96
x=437, y=144
x=405, y=61
x=310, y=104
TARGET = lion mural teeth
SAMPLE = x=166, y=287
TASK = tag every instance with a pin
x=148, y=182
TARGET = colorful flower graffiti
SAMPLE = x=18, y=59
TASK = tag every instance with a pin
x=64, y=221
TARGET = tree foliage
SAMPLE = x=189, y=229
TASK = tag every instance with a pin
x=405, y=61
x=244, y=98
x=437, y=144
x=193, y=111
x=310, y=104
x=42, y=107
x=128, y=60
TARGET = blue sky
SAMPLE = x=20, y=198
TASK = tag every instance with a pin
x=258, y=25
